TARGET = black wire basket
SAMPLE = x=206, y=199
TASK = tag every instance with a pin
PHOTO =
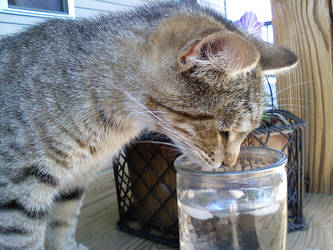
x=146, y=179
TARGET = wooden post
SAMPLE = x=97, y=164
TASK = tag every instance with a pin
x=306, y=27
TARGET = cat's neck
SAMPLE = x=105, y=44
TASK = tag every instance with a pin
x=119, y=95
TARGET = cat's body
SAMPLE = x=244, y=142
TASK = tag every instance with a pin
x=72, y=93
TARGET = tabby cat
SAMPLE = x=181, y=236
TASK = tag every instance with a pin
x=74, y=92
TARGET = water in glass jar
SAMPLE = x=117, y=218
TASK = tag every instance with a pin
x=252, y=218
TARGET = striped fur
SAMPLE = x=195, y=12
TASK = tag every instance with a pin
x=74, y=92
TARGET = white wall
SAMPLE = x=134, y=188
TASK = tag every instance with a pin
x=11, y=23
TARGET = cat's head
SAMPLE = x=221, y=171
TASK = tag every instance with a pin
x=205, y=80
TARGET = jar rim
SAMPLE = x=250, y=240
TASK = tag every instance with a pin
x=244, y=149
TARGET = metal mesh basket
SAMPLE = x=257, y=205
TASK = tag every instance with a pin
x=146, y=179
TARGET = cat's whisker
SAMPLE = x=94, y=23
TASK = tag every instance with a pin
x=292, y=86
x=174, y=132
x=294, y=99
x=188, y=143
x=154, y=111
x=174, y=146
x=161, y=122
x=268, y=99
x=171, y=129
x=293, y=106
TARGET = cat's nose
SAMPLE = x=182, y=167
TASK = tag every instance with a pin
x=230, y=158
x=229, y=163
x=231, y=153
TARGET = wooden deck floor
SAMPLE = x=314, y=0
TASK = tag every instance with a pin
x=97, y=226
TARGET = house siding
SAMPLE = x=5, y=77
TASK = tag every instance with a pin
x=12, y=23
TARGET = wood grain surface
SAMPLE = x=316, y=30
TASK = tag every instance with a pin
x=97, y=226
x=305, y=26
x=318, y=211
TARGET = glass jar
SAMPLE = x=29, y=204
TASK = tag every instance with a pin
x=234, y=210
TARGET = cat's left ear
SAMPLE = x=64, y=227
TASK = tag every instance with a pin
x=275, y=59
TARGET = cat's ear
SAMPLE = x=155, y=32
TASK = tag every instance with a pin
x=275, y=59
x=225, y=51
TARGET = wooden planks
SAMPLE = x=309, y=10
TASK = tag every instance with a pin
x=99, y=214
x=306, y=28
x=318, y=211
x=97, y=226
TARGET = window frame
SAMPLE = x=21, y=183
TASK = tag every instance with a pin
x=4, y=8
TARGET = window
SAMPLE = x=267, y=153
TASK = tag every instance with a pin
x=59, y=8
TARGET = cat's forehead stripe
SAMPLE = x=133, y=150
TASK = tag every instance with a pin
x=183, y=113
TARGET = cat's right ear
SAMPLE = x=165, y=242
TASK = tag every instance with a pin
x=223, y=51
